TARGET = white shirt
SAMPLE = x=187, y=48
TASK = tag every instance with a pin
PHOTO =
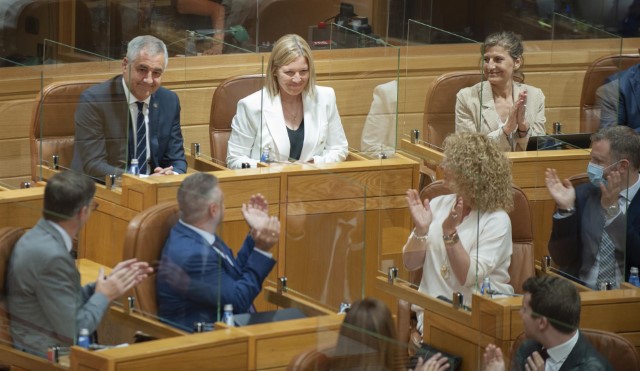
x=133, y=110
x=559, y=353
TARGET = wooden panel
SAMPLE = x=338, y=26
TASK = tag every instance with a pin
x=102, y=239
x=195, y=104
x=15, y=157
x=278, y=352
x=16, y=118
x=338, y=187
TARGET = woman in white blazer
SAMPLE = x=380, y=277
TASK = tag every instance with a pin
x=291, y=118
x=505, y=110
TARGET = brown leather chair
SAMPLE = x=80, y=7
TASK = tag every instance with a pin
x=8, y=238
x=595, y=77
x=440, y=104
x=52, y=124
x=522, y=259
x=223, y=109
x=145, y=238
x=310, y=360
x=617, y=350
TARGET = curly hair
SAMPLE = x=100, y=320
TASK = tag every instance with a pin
x=482, y=172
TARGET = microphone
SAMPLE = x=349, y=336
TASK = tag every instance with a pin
x=495, y=292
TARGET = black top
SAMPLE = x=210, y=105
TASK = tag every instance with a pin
x=296, y=140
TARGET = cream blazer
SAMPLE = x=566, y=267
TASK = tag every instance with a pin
x=479, y=115
x=253, y=129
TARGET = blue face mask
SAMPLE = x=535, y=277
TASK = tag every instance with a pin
x=596, y=174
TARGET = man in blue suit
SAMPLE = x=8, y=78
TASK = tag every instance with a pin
x=198, y=273
x=596, y=227
x=130, y=116
x=619, y=99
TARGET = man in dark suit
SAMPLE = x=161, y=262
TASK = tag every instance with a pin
x=550, y=316
x=198, y=273
x=46, y=302
x=619, y=99
x=596, y=227
x=130, y=116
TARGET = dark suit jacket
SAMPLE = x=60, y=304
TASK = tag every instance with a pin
x=194, y=282
x=575, y=240
x=582, y=357
x=46, y=302
x=102, y=128
x=620, y=99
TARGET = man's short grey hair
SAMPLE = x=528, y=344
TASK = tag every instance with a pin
x=195, y=194
x=150, y=44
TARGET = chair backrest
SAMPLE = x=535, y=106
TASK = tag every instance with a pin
x=595, y=77
x=223, y=109
x=52, y=123
x=440, y=104
x=310, y=360
x=522, y=259
x=146, y=234
x=620, y=352
x=8, y=238
x=578, y=179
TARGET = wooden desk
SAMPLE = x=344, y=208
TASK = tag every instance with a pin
x=498, y=321
x=21, y=207
x=528, y=173
x=344, y=217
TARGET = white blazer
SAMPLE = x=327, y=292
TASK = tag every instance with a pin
x=253, y=129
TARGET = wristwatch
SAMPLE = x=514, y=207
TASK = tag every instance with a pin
x=613, y=210
x=451, y=238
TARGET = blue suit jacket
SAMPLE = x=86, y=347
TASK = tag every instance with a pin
x=575, y=240
x=102, y=129
x=194, y=282
x=620, y=99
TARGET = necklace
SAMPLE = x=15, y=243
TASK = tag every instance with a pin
x=292, y=116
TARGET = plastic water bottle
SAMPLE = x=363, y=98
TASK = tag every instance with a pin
x=266, y=154
x=227, y=316
x=190, y=44
x=485, y=289
x=134, y=169
x=633, y=277
x=83, y=338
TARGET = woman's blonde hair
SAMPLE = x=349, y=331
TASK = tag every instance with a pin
x=286, y=50
x=482, y=171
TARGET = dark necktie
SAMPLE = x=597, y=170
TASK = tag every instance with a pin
x=543, y=353
x=141, y=139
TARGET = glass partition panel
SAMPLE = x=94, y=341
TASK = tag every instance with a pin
x=429, y=100
x=367, y=98
x=25, y=82
x=325, y=238
x=367, y=340
x=598, y=100
x=207, y=112
x=81, y=123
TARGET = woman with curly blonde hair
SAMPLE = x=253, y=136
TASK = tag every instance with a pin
x=461, y=238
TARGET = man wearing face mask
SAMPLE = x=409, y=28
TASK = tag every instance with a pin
x=596, y=226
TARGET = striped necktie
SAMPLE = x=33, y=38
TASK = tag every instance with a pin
x=141, y=139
